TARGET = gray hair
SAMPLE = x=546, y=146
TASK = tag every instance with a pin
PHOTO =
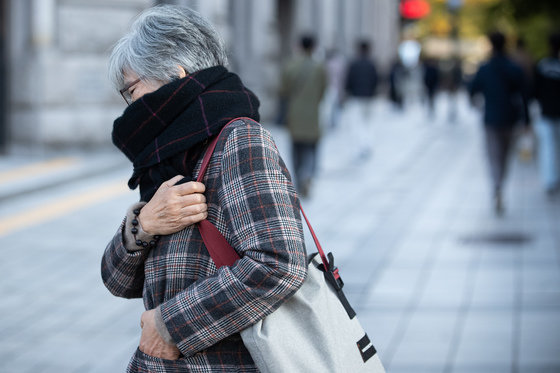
x=163, y=38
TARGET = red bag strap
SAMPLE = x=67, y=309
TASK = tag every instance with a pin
x=220, y=250
x=316, y=240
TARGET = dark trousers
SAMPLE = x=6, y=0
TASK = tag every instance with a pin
x=498, y=145
x=304, y=156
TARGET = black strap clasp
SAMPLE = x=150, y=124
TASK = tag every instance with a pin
x=333, y=277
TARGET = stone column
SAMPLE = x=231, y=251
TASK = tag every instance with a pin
x=3, y=74
x=253, y=46
x=25, y=59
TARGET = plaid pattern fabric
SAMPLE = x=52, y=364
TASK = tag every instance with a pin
x=252, y=202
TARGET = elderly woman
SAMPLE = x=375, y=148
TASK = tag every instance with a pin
x=170, y=70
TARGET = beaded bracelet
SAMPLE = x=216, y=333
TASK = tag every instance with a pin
x=134, y=231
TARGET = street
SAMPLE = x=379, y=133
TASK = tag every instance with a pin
x=439, y=282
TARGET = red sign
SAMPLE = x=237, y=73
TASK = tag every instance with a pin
x=414, y=9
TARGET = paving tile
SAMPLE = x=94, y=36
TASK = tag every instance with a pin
x=486, y=339
x=546, y=300
x=544, y=277
x=454, y=255
x=540, y=338
x=412, y=253
x=494, y=288
x=427, y=338
x=445, y=288
x=406, y=367
x=540, y=368
x=395, y=287
x=482, y=368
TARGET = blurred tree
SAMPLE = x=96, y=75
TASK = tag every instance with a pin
x=535, y=19
x=527, y=8
x=531, y=20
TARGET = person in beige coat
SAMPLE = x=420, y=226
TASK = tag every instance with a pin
x=303, y=85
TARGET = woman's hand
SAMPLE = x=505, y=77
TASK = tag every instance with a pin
x=151, y=342
x=174, y=207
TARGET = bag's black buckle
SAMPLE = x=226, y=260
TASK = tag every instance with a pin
x=333, y=277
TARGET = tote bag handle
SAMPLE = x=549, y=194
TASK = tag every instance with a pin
x=220, y=250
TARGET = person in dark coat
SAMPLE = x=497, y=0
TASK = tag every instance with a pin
x=547, y=93
x=361, y=87
x=431, y=82
x=502, y=84
x=454, y=84
x=396, y=76
x=170, y=69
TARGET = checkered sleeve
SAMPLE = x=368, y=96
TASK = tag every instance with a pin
x=122, y=270
x=262, y=222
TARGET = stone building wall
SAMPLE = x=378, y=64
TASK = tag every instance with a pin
x=59, y=94
x=59, y=91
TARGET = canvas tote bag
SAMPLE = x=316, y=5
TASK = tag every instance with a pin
x=316, y=330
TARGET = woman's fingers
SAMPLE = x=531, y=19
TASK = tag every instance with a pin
x=193, y=209
x=189, y=188
x=194, y=212
x=193, y=219
x=174, y=180
x=192, y=199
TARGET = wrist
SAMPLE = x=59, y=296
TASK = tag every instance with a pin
x=161, y=328
x=141, y=237
x=144, y=222
x=135, y=237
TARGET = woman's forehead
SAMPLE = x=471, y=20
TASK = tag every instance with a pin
x=129, y=76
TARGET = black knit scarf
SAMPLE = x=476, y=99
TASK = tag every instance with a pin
x=163, y=133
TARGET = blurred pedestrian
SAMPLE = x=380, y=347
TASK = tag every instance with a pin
x=502, y=84
x=431, y=82
x=396, y=76
x=523, y=58
x=170, y=70
x=455, y=83
x=361, y=87
x=547, y=93
x=334, y=96
x=303, y=85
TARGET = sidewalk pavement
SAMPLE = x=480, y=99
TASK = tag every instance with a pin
x=24, y=171
x=439, y=282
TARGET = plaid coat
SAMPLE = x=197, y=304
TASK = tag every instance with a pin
x=252, y=202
